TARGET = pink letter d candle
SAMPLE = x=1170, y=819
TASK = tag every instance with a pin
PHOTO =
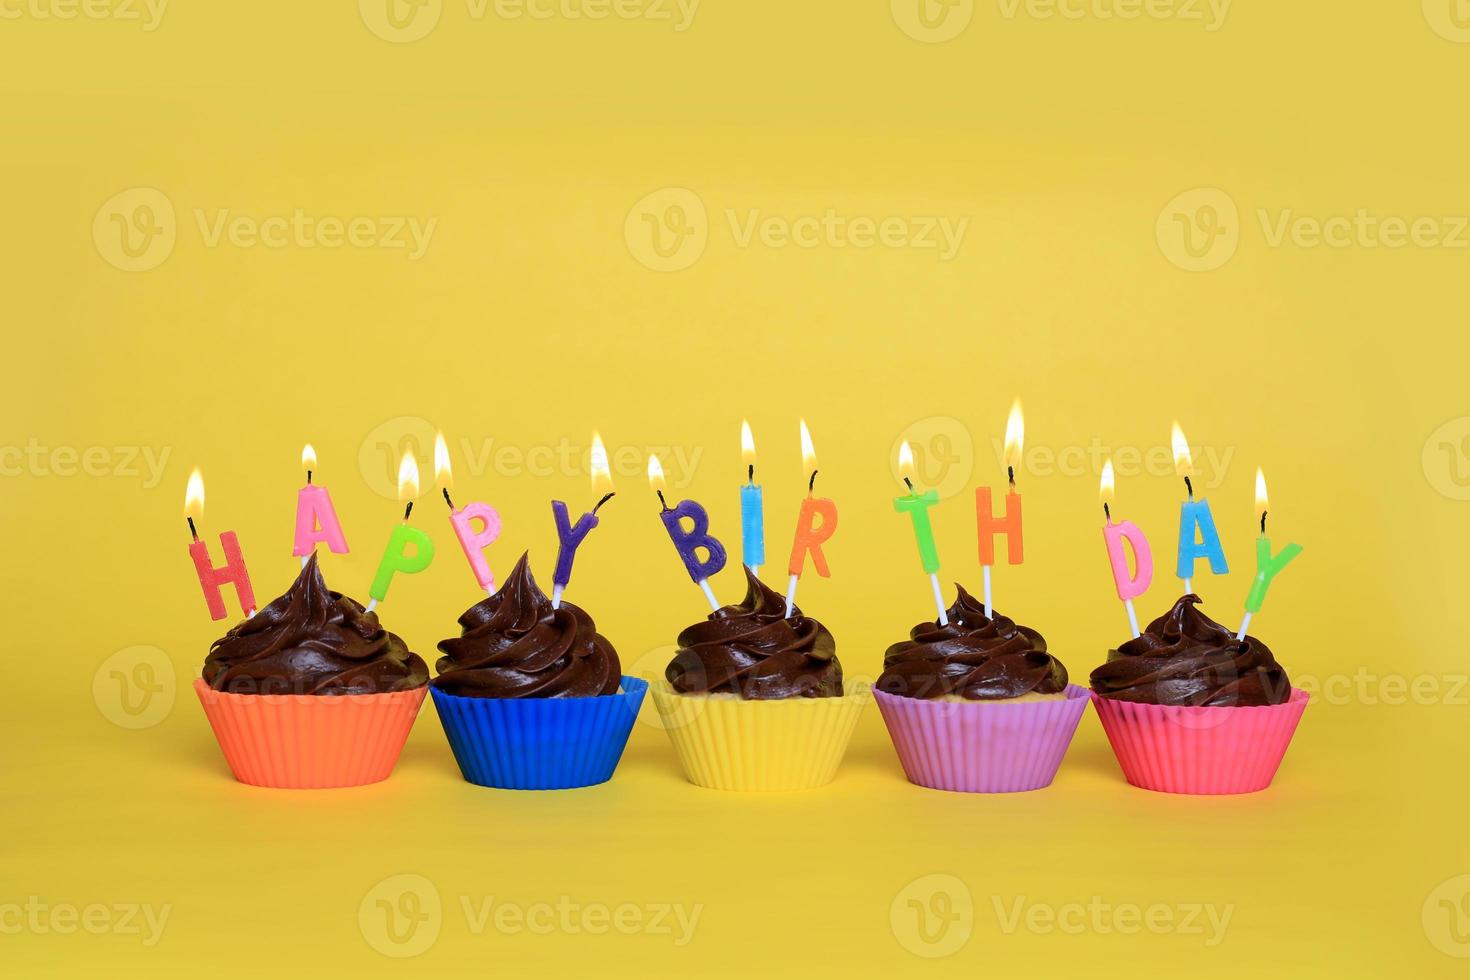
x=1130, y=584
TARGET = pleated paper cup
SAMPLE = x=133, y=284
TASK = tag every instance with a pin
x=308, y=741
x=733, y=744
x=540, y=743
x=1200, y=750
x=982, y=746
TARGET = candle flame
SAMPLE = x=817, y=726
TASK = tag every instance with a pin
x=1183, y=462
x=1262, y=504
x=1015, y=434
x=808, y=453
x=655, y=473
x=443, y=472
x=747, y=444
x=408, y=478
x=1106, y=485
x=905, y=462
x=601, y=472
x=194, y=495
x=308, y=458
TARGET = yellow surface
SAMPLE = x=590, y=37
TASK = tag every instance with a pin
x=1067, y=155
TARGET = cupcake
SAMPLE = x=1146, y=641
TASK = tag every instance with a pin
x=754, y=699
x=1188, y=708
x=977, y=705
x=311, y=691
x=533, y=697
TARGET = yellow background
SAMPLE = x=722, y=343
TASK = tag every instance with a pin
x=533, y=317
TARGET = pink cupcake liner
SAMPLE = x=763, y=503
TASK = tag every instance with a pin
x=1200, y=750
x=982, y=746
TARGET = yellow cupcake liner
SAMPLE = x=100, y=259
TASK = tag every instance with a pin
x=758, y=746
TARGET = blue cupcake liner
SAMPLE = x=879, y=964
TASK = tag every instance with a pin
x=539, y=743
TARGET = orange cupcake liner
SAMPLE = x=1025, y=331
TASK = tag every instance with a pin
x=304, y=741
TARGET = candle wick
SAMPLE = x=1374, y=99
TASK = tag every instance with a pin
x=192, y=532
x=1263, y=522
x=308, y=477
x=811, y=484
x=661, y=502
x=408, y=509
x=1107, y=513
x=605, y=498
x=908, y=483
x=1011, y=476
x=447, y=500
x=1189, y=487
x=750, y=474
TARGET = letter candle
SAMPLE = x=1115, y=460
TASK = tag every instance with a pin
x=570, y=535
x=212, y=579
x=688, y=541
x=1266, y=565
x=810, y=535
x=396, y=557
x=1194, y=514
x=473, y=541
x=987, y=525
x=752, y=508
x=316, y=518
x=1129, y=586
x=917, y=505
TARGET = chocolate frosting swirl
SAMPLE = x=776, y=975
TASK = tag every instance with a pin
x=977, y=657
x=514, y=645
x=1186, y=658
x=755, y=651
x=312, y=641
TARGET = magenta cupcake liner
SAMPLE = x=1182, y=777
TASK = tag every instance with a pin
x=982, y=746
x=1200, y=750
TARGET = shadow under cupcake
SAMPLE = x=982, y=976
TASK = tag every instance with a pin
x=754, y=699
x=977, y=705
x=533, y=697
